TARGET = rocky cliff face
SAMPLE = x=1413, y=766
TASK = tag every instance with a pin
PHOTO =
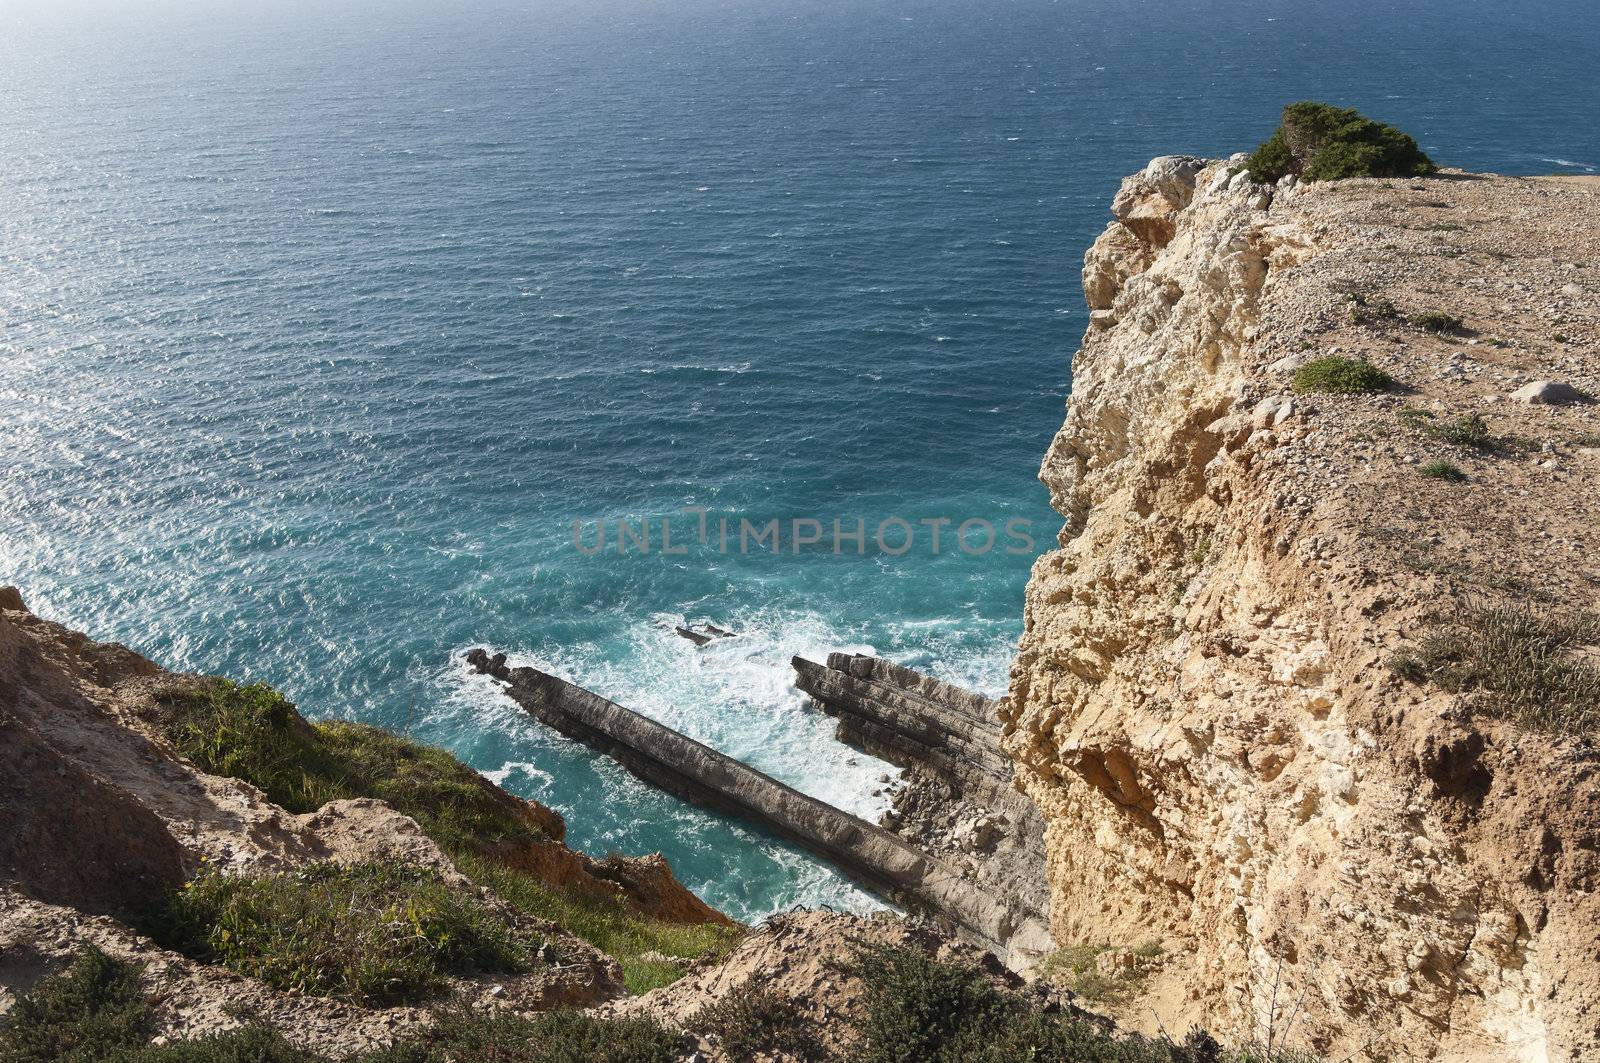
x=1203, y=705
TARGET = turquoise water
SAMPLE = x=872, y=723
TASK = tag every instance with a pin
x=320, y=325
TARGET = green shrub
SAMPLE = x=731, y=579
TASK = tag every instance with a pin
x=1318, y=142
x=91, y=1011
x=1364, y=310
x=1514, y=662
x=1340, y=376
x=1076, y=968
x=371, y=933
x=254, y=1042
x=747, y=1023
x=1443, y=470
x=455, y=806
x=462, y=1035
x=920, y=1010
x=1438, y=321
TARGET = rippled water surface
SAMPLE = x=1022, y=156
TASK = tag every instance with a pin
x=320, y=325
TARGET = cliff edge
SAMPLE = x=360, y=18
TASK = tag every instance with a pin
x=1308, y=691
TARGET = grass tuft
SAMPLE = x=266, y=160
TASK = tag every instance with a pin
x=91, y=1011
x=95, y=1013
x=1443, y=470
x=632, y=940
x=254, y=733
x=1470, y=431
x=1531, y=666
x=1335, y=375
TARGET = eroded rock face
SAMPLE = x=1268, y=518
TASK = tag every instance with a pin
x=1201, y=707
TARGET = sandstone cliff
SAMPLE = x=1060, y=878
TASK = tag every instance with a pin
x=1205, y=704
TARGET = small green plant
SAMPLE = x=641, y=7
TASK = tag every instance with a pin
x=254, y=733
x=1319, y=142
x=1470, y=431
x=1416, y=418
x=1340, y=376
x=1443, y=470
x=462, y=1035
x=374, y=933
x=1519, y=662
x=748, y=1024
x=1438, y=321
x=1444, y=227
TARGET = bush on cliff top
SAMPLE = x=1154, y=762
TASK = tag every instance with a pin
x=653, y=953
x=1340, y=376
x=552, y=1037
x=1319, y=142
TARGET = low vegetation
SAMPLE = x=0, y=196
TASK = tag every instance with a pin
x=373, y=933
x=95, y=1012
x=914, y=1009
x=920, y=1009
x=1365, y=311
x=1337, y=375
x=253, y=733
x=653, y=953
x=1077, y=968
x=1536, y=667
x=1443, y=470
x=1319, y=142
x=1438, y=321
x=752, y=1025
x=1470, y=431
x=463, y=1035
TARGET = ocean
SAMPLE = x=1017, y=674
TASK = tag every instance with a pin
x=324, y=325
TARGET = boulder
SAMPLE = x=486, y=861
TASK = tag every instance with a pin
x=1548, y=393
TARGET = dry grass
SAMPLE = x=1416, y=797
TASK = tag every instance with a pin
x=1536, y=667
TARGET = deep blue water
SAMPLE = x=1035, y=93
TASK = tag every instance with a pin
x=321, y=323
